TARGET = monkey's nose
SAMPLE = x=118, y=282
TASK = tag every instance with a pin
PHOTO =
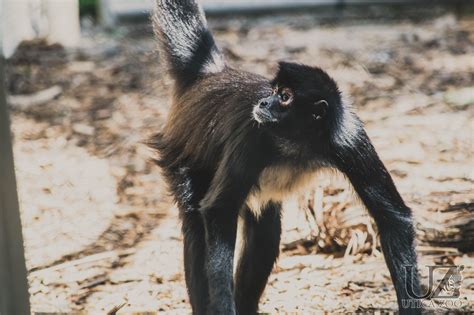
x=263, y=104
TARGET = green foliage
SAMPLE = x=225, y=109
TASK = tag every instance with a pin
x=88, y=7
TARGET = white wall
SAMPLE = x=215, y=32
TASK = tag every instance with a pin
x=55, y=20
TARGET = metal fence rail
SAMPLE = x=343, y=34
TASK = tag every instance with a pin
x=14, y=299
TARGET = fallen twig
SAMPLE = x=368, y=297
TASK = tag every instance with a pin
x=24, y=102
x=88, y=259
x=115, y=309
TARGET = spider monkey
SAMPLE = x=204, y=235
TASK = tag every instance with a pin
x=236, y=144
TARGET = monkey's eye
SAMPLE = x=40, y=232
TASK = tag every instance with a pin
x=286, y=96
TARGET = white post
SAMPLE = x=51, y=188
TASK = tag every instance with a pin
x=63, y=22
x=55, y=20
x=14, y=17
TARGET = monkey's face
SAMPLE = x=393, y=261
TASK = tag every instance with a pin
x=302, y=105
x=274, y=108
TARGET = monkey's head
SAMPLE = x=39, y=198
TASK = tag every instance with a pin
x=305, y=103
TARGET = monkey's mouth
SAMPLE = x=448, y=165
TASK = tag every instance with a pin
x=263, y=115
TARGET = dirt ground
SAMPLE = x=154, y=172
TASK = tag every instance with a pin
x=100, y=230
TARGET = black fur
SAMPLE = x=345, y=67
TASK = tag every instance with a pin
x=231, y=135
x=261, y=240
x=377, y=191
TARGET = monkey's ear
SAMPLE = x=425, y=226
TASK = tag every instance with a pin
x=319, y=109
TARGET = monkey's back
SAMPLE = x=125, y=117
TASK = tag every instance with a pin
x=215, y=111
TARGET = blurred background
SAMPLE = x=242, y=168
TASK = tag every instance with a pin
x=86, y=90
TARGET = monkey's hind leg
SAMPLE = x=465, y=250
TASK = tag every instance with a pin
x=261, y=241
x=194, y=261
x=188, y=188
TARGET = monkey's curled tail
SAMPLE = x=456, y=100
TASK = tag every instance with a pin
x=185, y=43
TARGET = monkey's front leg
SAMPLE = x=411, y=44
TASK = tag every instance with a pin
x=359, y=161
x=221, y=227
